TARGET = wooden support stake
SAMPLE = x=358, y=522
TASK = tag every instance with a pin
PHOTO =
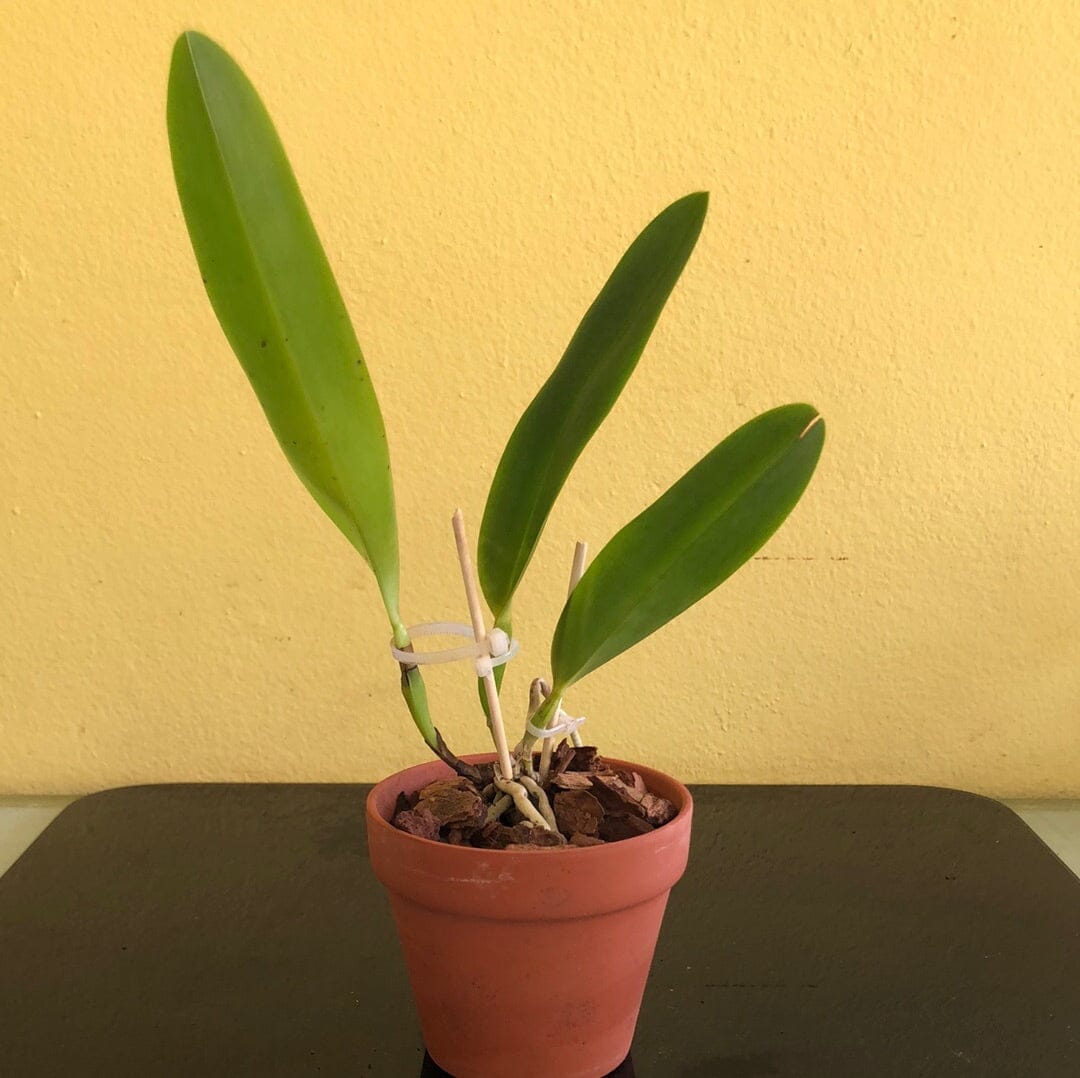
x=577, y=571
x=476, y=613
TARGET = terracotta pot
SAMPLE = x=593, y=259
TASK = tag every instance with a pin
x=528, y=964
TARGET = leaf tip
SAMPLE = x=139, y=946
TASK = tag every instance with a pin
x=192, y=39
x=195, y=47
x=696, y=204
x=185, y=43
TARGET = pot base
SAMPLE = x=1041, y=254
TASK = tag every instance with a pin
x=527, y=963
x=430, y=1069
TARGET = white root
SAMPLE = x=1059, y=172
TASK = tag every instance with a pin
x=542, y=801
x=538, y=692
x=498, y=808
x=522, y=802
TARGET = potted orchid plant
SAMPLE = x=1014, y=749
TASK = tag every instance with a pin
x=489, y=859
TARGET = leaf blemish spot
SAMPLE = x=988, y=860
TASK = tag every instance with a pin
x=810, y=426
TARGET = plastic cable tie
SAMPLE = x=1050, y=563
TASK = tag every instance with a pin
x=556, y=729
x=494, y=650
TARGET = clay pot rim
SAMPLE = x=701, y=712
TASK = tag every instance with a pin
x=683, y=806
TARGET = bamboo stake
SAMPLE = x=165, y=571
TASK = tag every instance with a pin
x=577, y=571
x=476, y=613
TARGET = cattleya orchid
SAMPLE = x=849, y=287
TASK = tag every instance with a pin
x=273, y=291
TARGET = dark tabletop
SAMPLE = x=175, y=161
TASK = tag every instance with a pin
x=819, y=931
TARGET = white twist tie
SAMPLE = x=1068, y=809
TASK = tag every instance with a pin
x=566, y=727
x=494, y=650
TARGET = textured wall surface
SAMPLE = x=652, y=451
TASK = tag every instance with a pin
x=892, y=237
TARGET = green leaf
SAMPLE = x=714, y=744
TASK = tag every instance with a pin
x=689, y=540
x=274, y=293
x=573, y=402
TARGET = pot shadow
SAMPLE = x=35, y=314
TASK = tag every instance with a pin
x=736, y=1067
x=431, y=1069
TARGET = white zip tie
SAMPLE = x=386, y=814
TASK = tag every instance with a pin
x=494, y=650
x=557, y=729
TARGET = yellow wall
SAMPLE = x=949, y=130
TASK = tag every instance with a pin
x=893, y=236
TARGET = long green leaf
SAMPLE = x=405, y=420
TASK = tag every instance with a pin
x=689, y=540
x=275, y=296
x=573, y=402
